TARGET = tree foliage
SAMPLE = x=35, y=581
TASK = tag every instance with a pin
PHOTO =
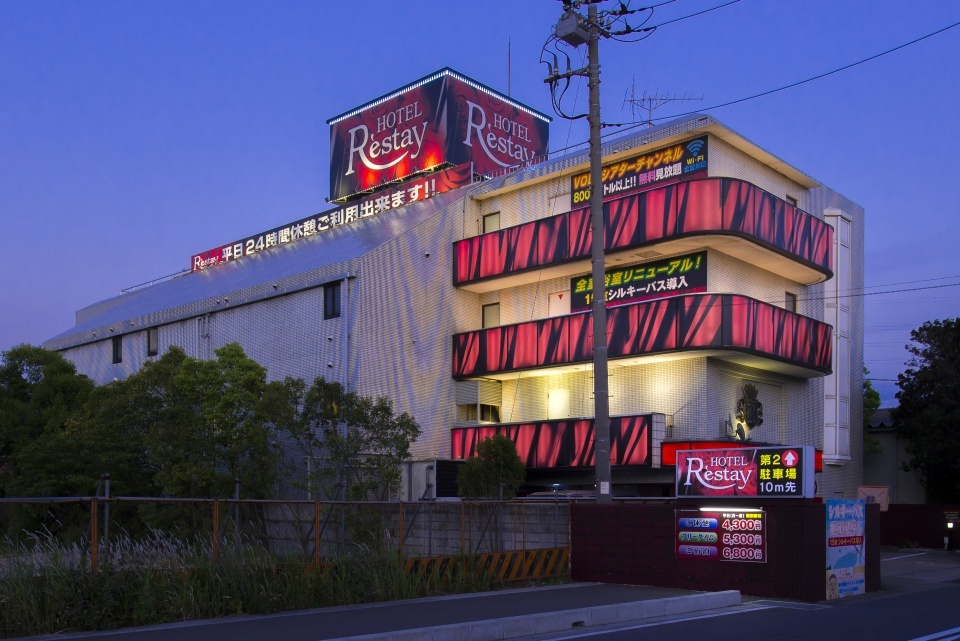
x=928, y=416
x=871, y=403
x=496, y=466
x=354, y=444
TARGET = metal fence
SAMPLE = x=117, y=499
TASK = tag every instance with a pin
x=313, y=531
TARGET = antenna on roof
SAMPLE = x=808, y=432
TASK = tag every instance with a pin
x=651, y=102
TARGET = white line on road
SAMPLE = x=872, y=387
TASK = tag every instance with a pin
x=905, y=556
x=596, y=633
x=939, y=636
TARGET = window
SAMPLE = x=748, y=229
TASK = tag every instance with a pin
x=153, y=341
x=491, y=315
x=793, y=200
x=491, y=222
x=117, y=349
x=331, y=300
x=489, y=413
x=791, y=302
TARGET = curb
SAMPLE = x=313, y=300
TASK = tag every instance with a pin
x=545, y=622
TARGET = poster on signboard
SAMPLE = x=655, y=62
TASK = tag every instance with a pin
x=681, y=161
x=846, y=551
x=773, y=472
x=675, y=276
x=724, y=535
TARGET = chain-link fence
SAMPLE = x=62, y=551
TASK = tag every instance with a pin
x=312, y=531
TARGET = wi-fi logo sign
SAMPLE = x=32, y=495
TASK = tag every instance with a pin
x=695, y=146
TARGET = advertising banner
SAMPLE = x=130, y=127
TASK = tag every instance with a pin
x=408, y=193
x=445, y=118
x=682, y=161
x=846, y=524
x=662, y=279
x=490, y=130
x=774, y=472
x=725, y=535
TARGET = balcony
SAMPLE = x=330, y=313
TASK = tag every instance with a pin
x=564, y=443
x=727, y=326
x=730, y=215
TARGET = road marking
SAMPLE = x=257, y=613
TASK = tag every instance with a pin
x=596, y=633
x=905, y=556
x=940, y=636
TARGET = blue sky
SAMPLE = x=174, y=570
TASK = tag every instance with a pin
x=135, y=134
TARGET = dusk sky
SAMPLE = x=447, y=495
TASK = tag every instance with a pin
x=135, y=134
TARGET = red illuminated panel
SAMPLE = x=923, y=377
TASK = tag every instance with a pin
x=711, y=206
x=584, y=453
x=519, y=347
x=493, y=253
x=522, y=247
x=698, y=208
x=578, y=223
x=630, y=440
x=552, y=239
x=620, y=222
x=686, y=322
x=658, y=215
x=553, y=341
x=700, y=320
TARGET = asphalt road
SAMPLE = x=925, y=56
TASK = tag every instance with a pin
x=919, y=601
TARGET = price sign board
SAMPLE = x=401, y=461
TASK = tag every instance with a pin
x=724, y=535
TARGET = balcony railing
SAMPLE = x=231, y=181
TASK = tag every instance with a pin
x=565, y=443
x=705, y=207
x=713, y=322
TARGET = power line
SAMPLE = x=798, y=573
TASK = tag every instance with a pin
x=793, y=84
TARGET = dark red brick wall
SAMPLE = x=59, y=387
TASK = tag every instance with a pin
x=634, y=544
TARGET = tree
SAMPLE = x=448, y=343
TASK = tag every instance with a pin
x=871, y=402
x=928, y=417
x=40, y=392
x=496, y=467
x=355, y=444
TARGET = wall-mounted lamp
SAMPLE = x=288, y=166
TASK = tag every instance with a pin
x=329, y=338
x=426, y=254
x=329, y=364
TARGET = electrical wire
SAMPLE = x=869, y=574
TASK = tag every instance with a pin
x=627, y=127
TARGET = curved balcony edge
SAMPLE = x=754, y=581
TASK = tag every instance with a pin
x=729, y=326
x=717, y=207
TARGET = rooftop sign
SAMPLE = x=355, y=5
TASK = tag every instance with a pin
x=444, y=118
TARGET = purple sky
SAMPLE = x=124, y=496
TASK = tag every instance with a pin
x=135, y=134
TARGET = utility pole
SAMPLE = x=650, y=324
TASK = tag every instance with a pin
x=574, y=30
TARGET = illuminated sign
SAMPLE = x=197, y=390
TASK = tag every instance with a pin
x=408, y=193
x=662, y=279
x=772, y=472
x=682, y=161
x=444, y=118
x=846, y=526
x=724, y=535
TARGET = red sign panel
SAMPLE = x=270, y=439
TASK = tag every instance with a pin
x=724, y=535
x=443, y=118
x=781, y=472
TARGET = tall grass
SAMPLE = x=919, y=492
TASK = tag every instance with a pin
x=48, y=587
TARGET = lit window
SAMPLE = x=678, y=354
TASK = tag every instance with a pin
x=491, y=222
x=491, y=315
x=791, y=302
x=489, y=413
x=331, y=300
x=117, y=349
x=153, y=341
